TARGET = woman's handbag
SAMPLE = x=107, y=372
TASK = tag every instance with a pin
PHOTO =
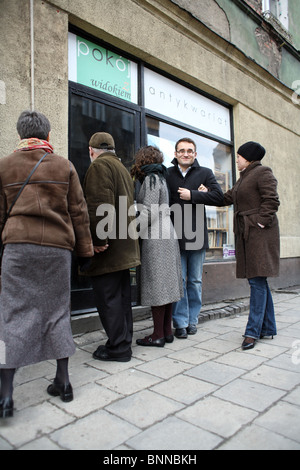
x=15, y=200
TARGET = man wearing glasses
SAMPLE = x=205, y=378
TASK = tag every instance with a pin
x=184, y=179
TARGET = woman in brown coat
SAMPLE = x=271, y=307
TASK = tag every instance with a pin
x=256, y=229
x=48, y=221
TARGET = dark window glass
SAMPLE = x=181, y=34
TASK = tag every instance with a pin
x=88, y=116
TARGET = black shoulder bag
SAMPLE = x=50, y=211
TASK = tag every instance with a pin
x=16, y=198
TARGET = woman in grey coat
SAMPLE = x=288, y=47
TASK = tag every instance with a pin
x=161, y=282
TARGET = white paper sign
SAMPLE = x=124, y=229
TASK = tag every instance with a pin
x=177, y=102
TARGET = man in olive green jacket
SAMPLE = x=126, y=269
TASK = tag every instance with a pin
x=108, y=190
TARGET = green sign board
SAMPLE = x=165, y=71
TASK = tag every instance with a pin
x=97, y=67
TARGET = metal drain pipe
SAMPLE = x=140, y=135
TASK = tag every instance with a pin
x=32, y=52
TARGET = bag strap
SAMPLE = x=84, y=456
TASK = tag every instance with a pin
x=24, y=184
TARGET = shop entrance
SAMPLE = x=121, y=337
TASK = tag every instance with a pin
x=138, y=105
x=90, y=114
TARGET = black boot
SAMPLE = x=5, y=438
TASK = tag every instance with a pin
x=6, y=400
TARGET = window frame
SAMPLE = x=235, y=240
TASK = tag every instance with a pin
x=82, y=302
x=282, y=10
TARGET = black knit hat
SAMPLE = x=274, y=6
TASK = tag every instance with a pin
x=251, y=151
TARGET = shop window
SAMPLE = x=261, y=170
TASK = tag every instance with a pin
x=211, y=154
x=108, y=94
x=89, y=116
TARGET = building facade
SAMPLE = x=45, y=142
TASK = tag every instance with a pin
x=152, y=71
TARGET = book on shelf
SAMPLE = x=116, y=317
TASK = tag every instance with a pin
x=220, y=221
x=217, y=238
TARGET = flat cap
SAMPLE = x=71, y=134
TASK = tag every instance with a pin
x=102, y=140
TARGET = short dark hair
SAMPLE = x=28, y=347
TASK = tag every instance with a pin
x=185, y=139
x=33, y=124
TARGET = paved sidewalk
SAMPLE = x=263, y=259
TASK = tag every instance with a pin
x=200, y=393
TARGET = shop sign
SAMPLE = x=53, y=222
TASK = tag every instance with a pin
x=97, y=67
x=177, y=102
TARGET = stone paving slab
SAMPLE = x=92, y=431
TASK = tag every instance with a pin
x=202, y=393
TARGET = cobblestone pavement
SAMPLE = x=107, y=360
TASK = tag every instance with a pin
x=201, y=393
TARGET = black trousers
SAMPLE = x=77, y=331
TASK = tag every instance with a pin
x=112, y=293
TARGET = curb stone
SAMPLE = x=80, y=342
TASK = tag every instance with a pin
x=231, y=310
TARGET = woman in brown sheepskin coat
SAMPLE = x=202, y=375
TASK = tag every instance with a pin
x=256, y=229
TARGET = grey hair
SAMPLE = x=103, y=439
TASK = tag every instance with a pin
x=33, y=124
x=98, y=151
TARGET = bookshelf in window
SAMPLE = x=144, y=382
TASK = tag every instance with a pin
x=217, y=220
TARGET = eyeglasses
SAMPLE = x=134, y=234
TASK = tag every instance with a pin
x=183, y=152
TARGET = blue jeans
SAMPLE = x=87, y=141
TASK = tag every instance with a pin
x=186, y=311
x=261, y=321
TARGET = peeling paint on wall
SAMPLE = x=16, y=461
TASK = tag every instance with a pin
x=269, y=48
x=209, y=13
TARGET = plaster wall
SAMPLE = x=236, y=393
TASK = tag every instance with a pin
x=283, y=157
x=50, y=70
x=14, y=70
x=139, y=28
